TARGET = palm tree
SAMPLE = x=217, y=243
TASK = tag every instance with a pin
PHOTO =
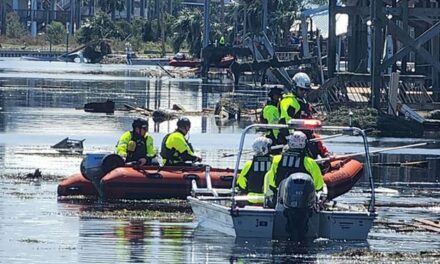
x=111, y=6
x=188, y=28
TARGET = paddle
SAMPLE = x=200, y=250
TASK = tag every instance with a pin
x=371, y=152
x=225, y=155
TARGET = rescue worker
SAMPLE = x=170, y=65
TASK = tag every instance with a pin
x=176, y=150
x=293, y=104
x=137, y=145
x=293, y=159
x=271, y=115
x=302, y=84
x=251, y=178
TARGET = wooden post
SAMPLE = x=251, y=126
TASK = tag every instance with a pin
x=331, y=46
x=404, y=5
x=376, y=51
x=206, y=23
x=393, y=93
x=305, y=43
x=264, y=24
x=435, y=49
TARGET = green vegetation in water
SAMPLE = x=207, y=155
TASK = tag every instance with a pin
x=362, y=117
x=171, y=210
x=370, y=255
x=139, y=215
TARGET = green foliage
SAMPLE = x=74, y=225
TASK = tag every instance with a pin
x=123, y=30
x=99, y=27
x=56, y=33
x=14, y=29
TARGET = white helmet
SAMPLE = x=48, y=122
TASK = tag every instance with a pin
x=302, y=80
x=297, y=140
x=261, y=145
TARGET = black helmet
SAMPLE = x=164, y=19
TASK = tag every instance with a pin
x=183, y=122
x=140, y=123
x=275, y=91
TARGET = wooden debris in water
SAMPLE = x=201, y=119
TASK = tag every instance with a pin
x=160, y=115
x=427, y=224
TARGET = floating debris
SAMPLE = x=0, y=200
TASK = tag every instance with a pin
x=68, y=145
x=100, y=107
x=35, y=175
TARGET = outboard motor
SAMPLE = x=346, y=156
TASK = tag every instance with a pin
x=95, y=165
x=296, y=196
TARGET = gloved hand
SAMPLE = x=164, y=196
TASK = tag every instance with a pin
x=131, y=146
x=198, y=159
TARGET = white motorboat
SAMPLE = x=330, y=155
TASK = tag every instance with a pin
x=219, y=209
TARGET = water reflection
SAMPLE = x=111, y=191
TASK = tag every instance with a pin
x=210, y=246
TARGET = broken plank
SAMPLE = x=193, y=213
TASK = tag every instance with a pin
x=427, y=227
x=428, y=222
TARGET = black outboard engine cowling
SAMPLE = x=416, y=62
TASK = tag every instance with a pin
x=95, y=166
x=296, y=195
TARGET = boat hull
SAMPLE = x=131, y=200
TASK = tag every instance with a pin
x=148, y=182
x=175, y=182
x=262, y=223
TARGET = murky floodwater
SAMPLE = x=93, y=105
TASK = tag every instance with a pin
x=37, y=109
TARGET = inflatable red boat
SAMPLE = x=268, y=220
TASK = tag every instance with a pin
x=175, y=182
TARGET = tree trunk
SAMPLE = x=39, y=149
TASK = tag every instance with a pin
x=162, y=29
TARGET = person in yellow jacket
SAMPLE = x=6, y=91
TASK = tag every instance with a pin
x=293, y=160
x=137, y=145
x=176, y=150
x=251, y=178
x=271, y=115
x=293, y=104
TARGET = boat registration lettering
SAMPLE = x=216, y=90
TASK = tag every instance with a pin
x=260, y=223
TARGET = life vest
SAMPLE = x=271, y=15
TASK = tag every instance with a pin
x=140, y=150
x=255, y=176
x=289, y=163
x=171, y=155
x=305, y=110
